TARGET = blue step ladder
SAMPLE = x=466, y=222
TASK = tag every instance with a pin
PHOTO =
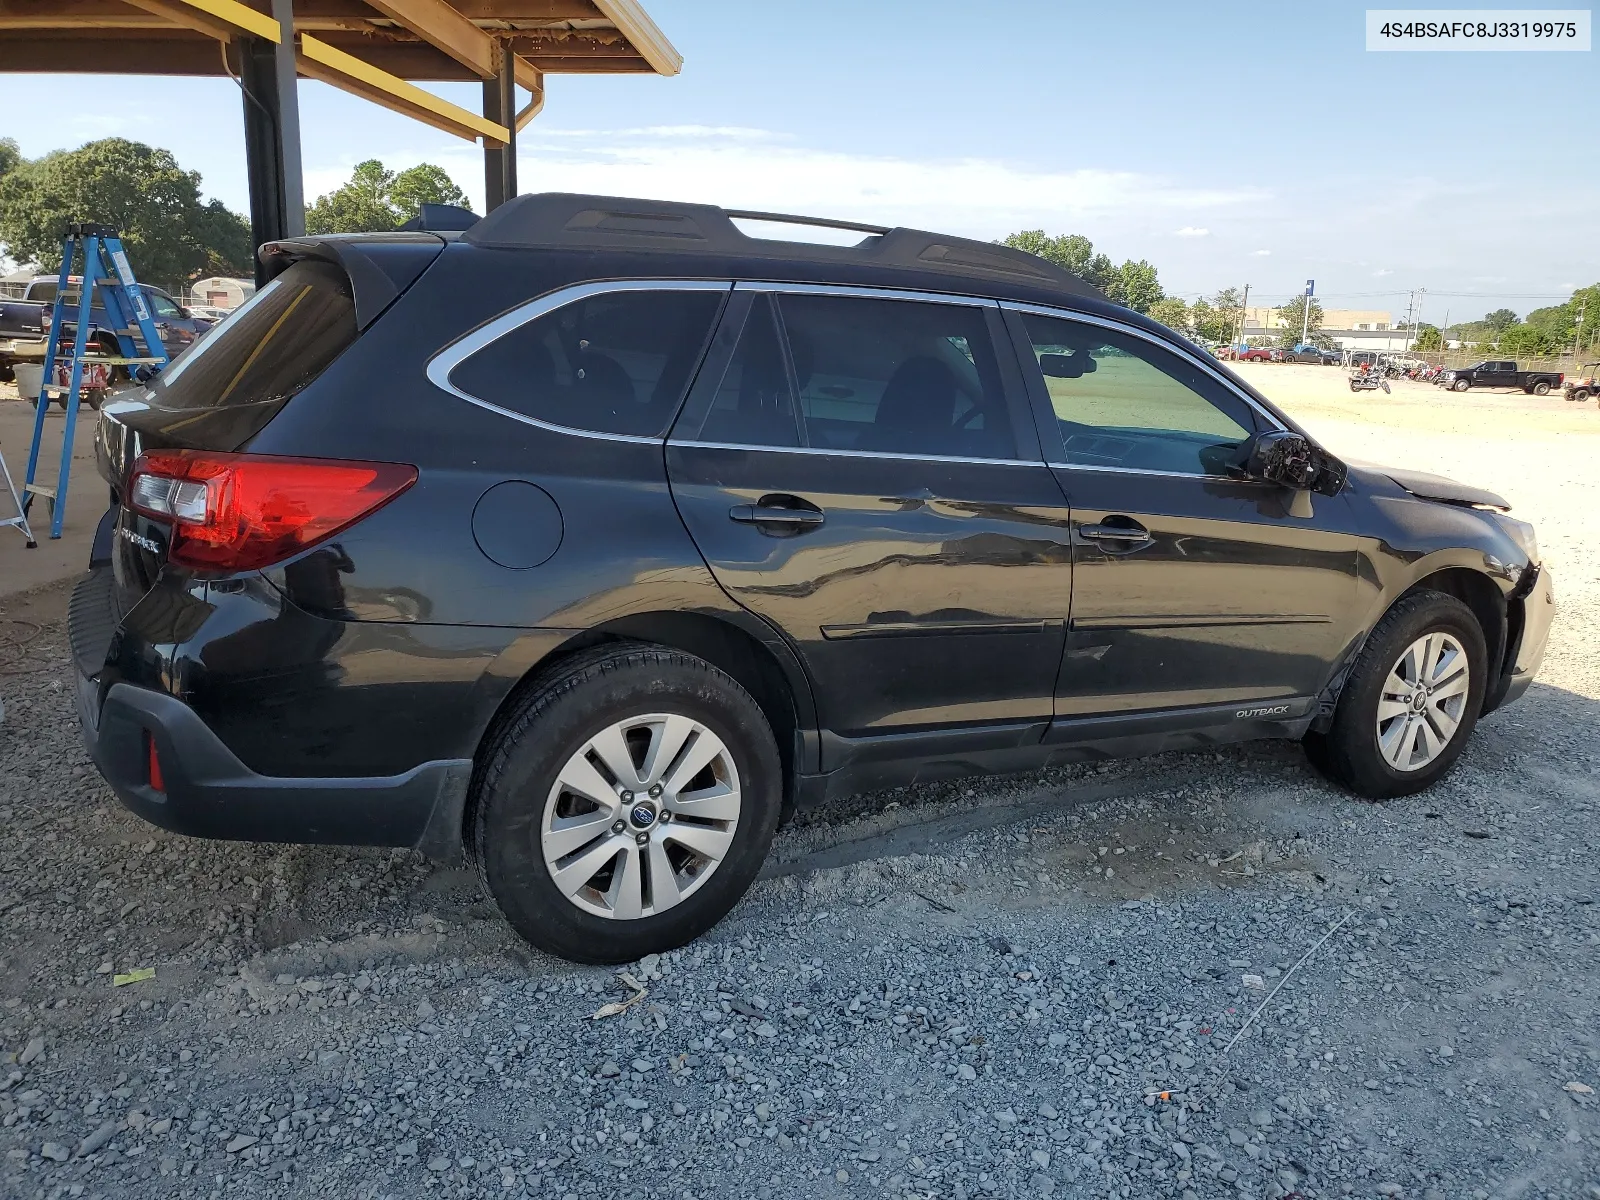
x=108, y=277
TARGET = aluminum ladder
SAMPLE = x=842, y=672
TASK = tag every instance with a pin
x=108, y=277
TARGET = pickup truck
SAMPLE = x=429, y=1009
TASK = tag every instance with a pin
x=23, y=323
x=1304, y=354
x=1502, y=373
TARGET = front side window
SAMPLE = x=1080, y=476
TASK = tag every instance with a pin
x=1121, y=401
x=162, y=306
x=617, y=362
x=897, y=377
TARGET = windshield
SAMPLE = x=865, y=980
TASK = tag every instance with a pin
x=269, y=348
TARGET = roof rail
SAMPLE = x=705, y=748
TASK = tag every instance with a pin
x=742, y=214
x=565, y=220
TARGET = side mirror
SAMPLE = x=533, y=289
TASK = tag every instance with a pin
x=1294, y=461
x=1067, y=366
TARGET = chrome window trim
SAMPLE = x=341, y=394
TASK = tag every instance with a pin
x=443, y=363
x=862, y=293
x=1065, y=466
x=1210, y=369
x=943, y=458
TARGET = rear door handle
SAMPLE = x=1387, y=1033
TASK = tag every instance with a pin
x=1127, y=535
x=764, y=514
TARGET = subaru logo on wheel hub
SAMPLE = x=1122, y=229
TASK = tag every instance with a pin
x=642, y=816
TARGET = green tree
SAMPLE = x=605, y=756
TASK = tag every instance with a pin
x=171, y=236
x=1172, y=312
x=1499, y=321
x=360, y=206
x=10, y=155
x=1292, y=314
x=1135, y=285
x=423, y=184
x=1429, y=337
x=1218, y=320
x=377, y=199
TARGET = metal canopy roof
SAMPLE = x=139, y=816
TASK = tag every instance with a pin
x=365, y=48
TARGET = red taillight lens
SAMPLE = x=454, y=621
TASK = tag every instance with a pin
x=241, y=512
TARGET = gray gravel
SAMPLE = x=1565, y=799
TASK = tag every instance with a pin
x=1022, y=987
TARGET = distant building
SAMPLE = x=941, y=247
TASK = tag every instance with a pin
x=1261, y=320
x=221, y=292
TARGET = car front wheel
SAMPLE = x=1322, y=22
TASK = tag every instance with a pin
x=627, y=804
x=1411, y=700
x=1460, y=385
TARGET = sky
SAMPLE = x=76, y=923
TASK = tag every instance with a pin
x=1225, y=143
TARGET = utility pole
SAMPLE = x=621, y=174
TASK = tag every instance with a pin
x=1305, y=311
x=1243, y=304
x=1577, y=334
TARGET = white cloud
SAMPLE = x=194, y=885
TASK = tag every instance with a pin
x=750, y=168
x=1189, y=231
x=1260, y=253
x=1381, y=272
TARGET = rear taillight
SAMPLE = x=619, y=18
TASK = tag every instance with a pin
x=241, y=512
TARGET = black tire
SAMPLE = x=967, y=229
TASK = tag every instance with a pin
x=1348, y=752
x=1541, y=388
x=1460, y=385
x=552, y=723
x=1580, y=395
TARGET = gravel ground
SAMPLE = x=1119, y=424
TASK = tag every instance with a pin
x=1021, y=987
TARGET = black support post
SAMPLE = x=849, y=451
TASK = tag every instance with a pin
x=272, y=134
x=500, y=165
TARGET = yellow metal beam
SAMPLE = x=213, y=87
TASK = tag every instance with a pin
x=436, y=22
x=175, y=12
x=215, y=18
x=331, y=65
x=644, y=34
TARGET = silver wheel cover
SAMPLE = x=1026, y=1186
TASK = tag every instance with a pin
x=1423, y=701
x=641, y=816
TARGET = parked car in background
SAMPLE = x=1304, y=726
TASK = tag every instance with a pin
x=209, y=312
x=1255, y=354
x=25, y=323
x=1303, y=354
x=1332, y=358
x=1584, y=384
x=600, y=536
x=1502, y=373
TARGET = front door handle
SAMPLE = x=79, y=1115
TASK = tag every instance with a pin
x=1126, y=534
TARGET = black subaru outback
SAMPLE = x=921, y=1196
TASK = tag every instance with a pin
x=595, y=537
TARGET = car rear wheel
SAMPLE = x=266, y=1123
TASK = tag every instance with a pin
x=1541, y=388
x=627, y=804
x=1410, y=702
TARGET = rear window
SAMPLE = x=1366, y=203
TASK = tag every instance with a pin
x=276, y=343
x=618, y=362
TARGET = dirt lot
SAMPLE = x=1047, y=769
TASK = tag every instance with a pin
x=1022, y=987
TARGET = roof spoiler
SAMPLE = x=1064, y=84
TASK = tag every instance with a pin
x=564, y=220
x=379, y=265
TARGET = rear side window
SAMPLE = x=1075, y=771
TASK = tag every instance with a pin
x=270, y=348
x=618, y=362
x=897, y=377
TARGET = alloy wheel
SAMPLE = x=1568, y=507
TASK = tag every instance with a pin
x=641, y=816
x=1423, y=701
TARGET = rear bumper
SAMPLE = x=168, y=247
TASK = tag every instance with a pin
x=207, y=792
